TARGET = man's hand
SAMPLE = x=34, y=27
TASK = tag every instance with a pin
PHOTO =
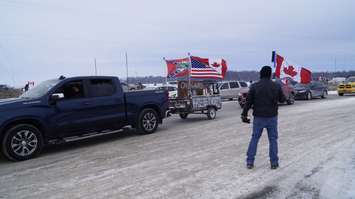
x=245, y=119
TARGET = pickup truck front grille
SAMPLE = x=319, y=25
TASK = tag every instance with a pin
x=341, y=86
x=348, y=86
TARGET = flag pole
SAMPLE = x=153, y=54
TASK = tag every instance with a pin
x=95, y=67
x=126, y=67
x=189, y=80
x=166, y=74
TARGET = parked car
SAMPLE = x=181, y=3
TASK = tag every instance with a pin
x=171, y=89
x=230, y=89
x=347, y=87
x=286, y=86
x=65, y=109
x=315, y=89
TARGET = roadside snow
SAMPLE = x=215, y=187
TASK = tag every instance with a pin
x=199, y=158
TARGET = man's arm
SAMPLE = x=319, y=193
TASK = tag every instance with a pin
x=249, y=102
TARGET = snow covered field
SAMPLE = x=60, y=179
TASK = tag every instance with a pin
x=197, y=158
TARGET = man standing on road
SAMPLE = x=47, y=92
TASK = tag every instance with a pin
x=263, y=97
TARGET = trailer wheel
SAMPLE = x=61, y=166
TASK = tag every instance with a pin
x=211, y=113
x=183, y=115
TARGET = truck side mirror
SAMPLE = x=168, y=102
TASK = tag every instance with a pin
x=57, y=96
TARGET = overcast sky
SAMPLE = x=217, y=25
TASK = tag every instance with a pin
x=42, y=39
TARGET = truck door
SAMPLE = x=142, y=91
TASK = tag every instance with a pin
x=71, y=112
x=106, y=105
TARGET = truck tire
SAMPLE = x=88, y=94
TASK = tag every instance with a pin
x=183, y=115
x=211, y=113
x=22, y=142
x=309, y=96
x=147, y=121
x=340, y=94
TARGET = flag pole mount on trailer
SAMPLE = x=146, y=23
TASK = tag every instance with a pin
x=190, y=68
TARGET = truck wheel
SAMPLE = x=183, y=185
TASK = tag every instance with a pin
x=340, y=94
x=309, y=96
x=147, y=121
x=211, y=113
x=183, y=115
x=22, y=142
x=291, y=100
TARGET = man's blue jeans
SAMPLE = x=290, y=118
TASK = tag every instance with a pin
x=259, y=123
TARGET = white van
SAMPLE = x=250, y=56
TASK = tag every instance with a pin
x=230, y=89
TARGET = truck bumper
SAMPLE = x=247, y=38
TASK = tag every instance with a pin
x=346, y=90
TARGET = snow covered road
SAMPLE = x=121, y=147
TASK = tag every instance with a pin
x=198, y=158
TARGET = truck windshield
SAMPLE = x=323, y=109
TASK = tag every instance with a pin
x=40, y=90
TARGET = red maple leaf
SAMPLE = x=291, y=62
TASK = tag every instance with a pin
x=215, y=64
x=290, y=70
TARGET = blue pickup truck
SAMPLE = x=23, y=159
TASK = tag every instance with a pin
x=65, y=109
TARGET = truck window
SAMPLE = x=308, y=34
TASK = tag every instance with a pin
x=101, y=87
x=72, y=90
x=234, y=84
x=243, y=84
x=224, y=86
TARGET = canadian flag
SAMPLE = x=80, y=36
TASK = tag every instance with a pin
x=220, y=65
x=284, y=69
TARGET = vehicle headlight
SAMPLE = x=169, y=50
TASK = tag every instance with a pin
x=301, y=91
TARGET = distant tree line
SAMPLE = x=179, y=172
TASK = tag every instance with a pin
x=240, y=75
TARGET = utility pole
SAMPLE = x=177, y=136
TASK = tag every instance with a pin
x=95, y=67
x=126, y=67
x=335, y=64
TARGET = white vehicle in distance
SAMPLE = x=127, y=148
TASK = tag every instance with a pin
x=230, y=89
x=170, y=88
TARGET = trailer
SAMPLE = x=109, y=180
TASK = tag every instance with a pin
x=196, y=97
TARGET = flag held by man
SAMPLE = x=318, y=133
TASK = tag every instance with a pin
x=285, y=69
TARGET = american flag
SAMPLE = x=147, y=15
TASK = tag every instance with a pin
x=200, y=68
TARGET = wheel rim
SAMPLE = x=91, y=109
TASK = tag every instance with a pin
x=24, y=143
x=149, y=121
x=309, y=96
x=212, y=113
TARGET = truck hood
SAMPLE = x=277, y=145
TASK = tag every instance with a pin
x=16, y=103
x=11, y=100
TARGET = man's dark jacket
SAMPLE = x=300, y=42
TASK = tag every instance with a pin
x=264, y=97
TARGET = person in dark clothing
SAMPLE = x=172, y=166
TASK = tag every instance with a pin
x=27, y=86
x=263, y=97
